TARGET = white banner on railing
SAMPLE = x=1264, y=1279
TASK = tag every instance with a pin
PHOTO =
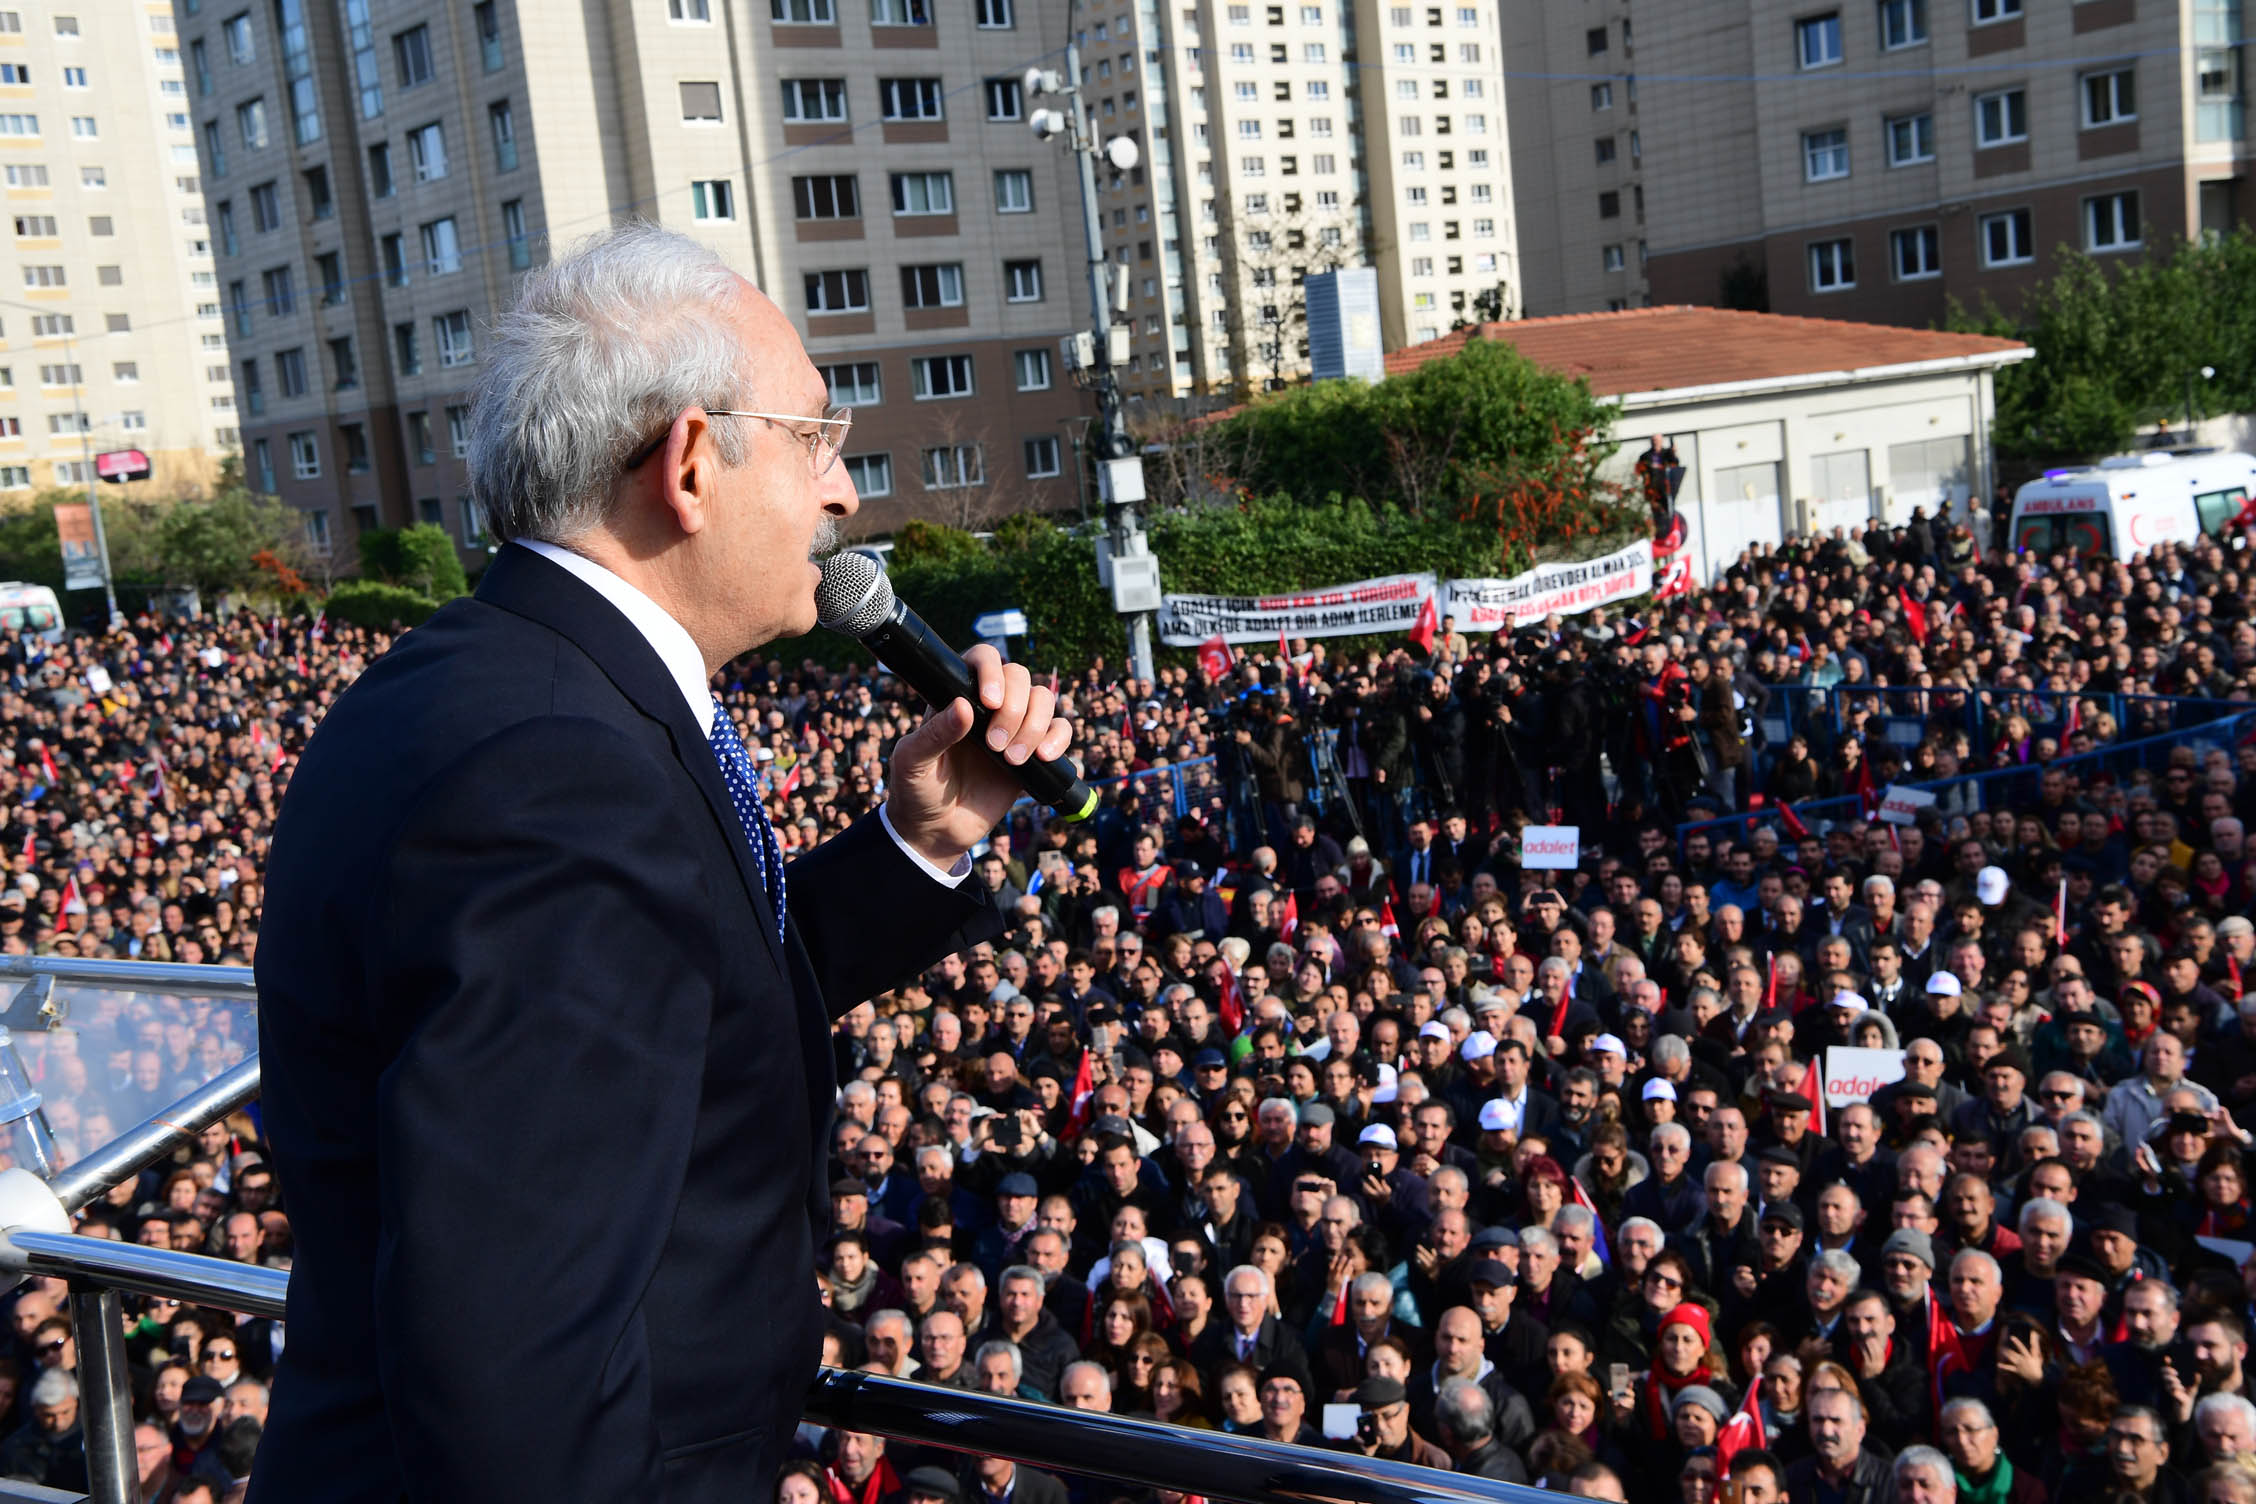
x=1561, y=589
x=1382, y=606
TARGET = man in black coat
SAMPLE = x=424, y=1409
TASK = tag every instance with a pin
x=523, y=891
x=1248, y=1334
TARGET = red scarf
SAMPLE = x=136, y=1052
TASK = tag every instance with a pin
x=882, y=1483
x=1661, y=1382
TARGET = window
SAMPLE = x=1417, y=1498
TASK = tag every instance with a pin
x=362, y=40
x=854, y=384
x=712, y=198
x=924, y=192
x=453, y=332
x=1817, y=40
x=1032, y=368
x=932, y=286
x=250, y=123
x=239, y=299
x=1610, y=258
x=26, y=175
x=1825, y=155
x=281, y=290
x=266, y=207
x=1916, y=254
x=52, y=325
x=223, y=217
x=407, y=349
x=240, y=46
x=1832, y=265
x=688, y=10
x=419, y=442
x=832, y=197
x=488, y=19
x=1986, y=11
x=2109, y=98
x=442, y=248
x=2111, y=222
x=1911, y=138
x=1022, y=281
x=941, y=376
x=15, y=477
x=35, y=226
x=1042, y=457
x=513, y=232
x=816, y=100
x=872, y=474
x=1601, y=97
x=44, y=276
x=2001, y=118
x=1014, y=191
x=109, y=276
x=254, y=394
x=700, y=103
x=393, y=248
x=128, y=372
x=20, y=73
x=1003, y=99
x=2007, y=239
x=953, y=466
x=343, y=362
x=61, y=375
x=802, y=13
x=501, y=123
x=380, y=170
x=290, y=372
x=838, y=292
x=900, y=13
x=426, y=152
x=1903, y=23
x=411, y=55
x=1605, y=150
x=993, y=15
x=331, y=266
x=458, y=432
x=1609, y=204
x=305, y=456
x=909, y=98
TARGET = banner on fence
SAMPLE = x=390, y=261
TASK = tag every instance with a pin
x=1381, y=606
x=1561, y=589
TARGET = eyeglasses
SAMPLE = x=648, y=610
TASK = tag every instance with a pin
x=223, y=1354
x=823, y=445
x=54, y=1346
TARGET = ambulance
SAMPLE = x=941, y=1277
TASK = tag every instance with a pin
x=2124, y=506
x=32, y=609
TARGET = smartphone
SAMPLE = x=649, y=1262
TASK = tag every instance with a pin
x=1340, y=1422
x=1617, y=1379
x=1006, y=1133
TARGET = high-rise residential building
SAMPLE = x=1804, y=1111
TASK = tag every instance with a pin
x=110, y=334
x=1578, y=154
x=1284, y=139
x=1879, y=160
x=382, y=172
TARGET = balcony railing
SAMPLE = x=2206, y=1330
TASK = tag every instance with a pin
x=35, y=1239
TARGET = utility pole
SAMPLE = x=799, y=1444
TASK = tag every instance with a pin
x=1124, y=559
x=93, y=493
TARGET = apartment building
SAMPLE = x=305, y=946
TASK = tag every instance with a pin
x=1578, y=150
x=1284, y=139
x=1876, y=159
x=382, y=172
x=110, y=334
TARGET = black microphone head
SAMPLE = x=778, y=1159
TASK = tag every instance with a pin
x=854, y=596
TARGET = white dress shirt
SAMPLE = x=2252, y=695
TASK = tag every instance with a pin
x=671, y=641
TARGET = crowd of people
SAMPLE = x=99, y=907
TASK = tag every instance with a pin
x=1292, y=1103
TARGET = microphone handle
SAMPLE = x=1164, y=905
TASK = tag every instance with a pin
x=910, y=648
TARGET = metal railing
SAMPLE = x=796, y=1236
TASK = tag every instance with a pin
x=35, y=1240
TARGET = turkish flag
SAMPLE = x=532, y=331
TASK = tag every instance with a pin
x=1945, y=1354
x=1813, y=1087
x=1387, y=926
x=1426, y=627
x=1676, y=578
x=1214, y=659
x=1084, y=1092
x=1743, y=1432
x=1231, y=1005
x=1915, y=616
x=1288, y=920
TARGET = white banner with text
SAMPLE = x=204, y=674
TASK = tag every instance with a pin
x=1382, y=606
x=1551, y=589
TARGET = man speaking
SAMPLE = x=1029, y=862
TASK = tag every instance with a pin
x=544, y=1018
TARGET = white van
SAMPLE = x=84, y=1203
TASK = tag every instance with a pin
x=2124, y=506
x=31, y=608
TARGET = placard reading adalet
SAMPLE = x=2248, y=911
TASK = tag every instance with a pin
x=1853, y=1074
x=1901, y=806
x=1552, y=846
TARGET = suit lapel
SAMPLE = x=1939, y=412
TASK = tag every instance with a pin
x=522, y=582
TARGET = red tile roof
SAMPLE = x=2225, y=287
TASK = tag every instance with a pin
x=1663, y=349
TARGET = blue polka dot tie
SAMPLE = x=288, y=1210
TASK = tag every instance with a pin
x=746, y=791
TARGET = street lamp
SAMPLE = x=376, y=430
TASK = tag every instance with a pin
x=86, y=448
x=2207, y=373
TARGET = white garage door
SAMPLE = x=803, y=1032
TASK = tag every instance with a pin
x=1926, y=474
x=1840, y=490
x=1741, y=510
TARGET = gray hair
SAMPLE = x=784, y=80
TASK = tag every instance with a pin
x=2046, y=1210
x=1285, y=1105
x=1465, y=1412
x=55, y=1387
x=604, y=346
x=1976, y=1258
x=1669, y=1049
x=1621, y=1233
x=1452, y=1175
x=1022, y=1274
x=2211, y=1404
x=1255, y=1270
x=1965, y=1403
x=892, y=1317
x=1538, y=1240
x=1934, y=1464
x=1104, y=910
x=1670, y=1133
x=1574, y=1216
x=1366, y=1283
x=1085, y=1366
x=1008, y=1349
x=1731, y=1169
x=857, y=1091
x=1838, y=1262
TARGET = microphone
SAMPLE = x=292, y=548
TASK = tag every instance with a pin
x=857, y=599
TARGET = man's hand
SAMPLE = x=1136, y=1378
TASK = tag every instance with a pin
x=947, y=793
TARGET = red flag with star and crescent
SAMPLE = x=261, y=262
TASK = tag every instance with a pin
x=1215, y=658
x=1426, y=627
x=1743, y=1432
x=1288, y=919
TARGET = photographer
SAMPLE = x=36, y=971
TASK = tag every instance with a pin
x=1384, y=1428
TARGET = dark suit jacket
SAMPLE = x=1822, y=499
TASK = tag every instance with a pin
x=549, y=1094
x=1217, y=1347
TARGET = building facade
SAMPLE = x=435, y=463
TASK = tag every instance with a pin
x=1876, y=160
x=1578, y=155
x=110, y=321
x=381, y=174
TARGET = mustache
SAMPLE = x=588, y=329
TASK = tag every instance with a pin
x=826, y=539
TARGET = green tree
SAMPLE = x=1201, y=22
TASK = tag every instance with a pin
x=421, y=558
x=209, y=543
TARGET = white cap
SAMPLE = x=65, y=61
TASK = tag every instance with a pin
x=1498, y=1115
x=1607, y=1044
x=1943, y=984
x=1433, y=1028
x=1989, y=886
x=1385, y=1091
x=1479, y=1045
x=1657, y=1090
x=1377, y=1133
x=1853, y=1001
